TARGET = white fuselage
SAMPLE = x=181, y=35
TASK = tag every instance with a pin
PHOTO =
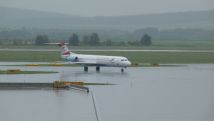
x=98, y=60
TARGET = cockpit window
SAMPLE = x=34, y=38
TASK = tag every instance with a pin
x=124, y=60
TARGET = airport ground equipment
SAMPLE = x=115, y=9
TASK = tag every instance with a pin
x=53, y=85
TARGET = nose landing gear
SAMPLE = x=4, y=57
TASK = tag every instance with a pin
x=97, y=69
x=122, y=70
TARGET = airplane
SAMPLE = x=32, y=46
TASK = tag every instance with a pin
x=93, y=60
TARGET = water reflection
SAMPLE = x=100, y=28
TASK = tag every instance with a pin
x=81, y=73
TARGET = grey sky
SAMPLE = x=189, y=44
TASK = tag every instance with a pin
x=110, y=7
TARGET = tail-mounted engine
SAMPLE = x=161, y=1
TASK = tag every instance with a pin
x=72, y=58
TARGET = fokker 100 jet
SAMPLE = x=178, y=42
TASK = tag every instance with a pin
x=92, y=60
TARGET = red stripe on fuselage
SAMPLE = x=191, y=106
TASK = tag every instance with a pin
x=66, y=53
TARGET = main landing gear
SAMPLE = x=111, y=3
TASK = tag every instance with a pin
x=86, y=68
x=97, y=69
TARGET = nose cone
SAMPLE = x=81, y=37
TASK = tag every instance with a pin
x=129, y=63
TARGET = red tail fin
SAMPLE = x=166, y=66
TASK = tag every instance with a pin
x=64, y=49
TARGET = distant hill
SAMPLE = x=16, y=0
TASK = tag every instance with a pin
x=17, y=18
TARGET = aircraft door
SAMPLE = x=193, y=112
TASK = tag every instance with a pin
x=113, y=61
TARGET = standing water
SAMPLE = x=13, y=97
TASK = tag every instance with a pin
x=183, y=93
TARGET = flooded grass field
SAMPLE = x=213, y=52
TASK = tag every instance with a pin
x=180, y=93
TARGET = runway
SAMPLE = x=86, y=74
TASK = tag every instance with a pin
x=110, y=50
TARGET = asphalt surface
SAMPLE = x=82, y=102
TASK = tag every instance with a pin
x=112, y=50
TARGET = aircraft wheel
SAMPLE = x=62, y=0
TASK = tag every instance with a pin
x=86, y=68
x=122, y=69
x=97, y=68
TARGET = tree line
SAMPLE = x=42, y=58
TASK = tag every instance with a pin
x=94, y=40
x=115, y=35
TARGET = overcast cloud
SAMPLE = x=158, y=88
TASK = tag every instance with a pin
x=110, y=7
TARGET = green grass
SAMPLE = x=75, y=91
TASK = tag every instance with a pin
x=134, y=57
x=26, y=72
x=178, y=44
x=157, y=44
x=29, y=56
x=163, y=57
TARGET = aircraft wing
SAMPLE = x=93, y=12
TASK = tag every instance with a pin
x=85, y=63
x=88, y=63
